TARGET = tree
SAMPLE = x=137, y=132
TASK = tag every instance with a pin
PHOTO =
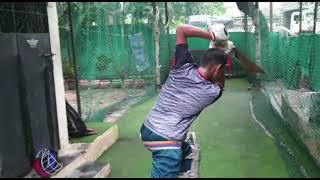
x=210, y=8
x=179, y=11
x=139, y=11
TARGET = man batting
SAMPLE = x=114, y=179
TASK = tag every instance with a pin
x=187, y=91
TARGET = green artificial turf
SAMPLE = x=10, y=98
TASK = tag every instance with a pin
x=128, y=157
x=231, y=143
x=99, y=127
x=299, y=156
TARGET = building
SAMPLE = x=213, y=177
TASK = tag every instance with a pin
x=290, y=11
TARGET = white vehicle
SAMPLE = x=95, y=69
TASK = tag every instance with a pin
x=204, y=20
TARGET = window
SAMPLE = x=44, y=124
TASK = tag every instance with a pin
x=296, y=19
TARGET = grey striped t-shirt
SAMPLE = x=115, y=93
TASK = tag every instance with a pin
x=184, y=95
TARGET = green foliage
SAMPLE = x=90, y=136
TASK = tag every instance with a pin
x=210, y=8
x=101, y=29
x=102, y=63
x=179, y=11
x=139, y=10
x=121, y=72
x=68, y=72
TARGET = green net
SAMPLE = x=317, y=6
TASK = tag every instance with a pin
x=287, y=102
x=293, y=60
x=115, y=55
x=116, y=61
x=198, y=47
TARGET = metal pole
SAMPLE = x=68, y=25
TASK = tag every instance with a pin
x=14, y=18
x=271, y=17
x=156, y=44
x=74, y=60
x=167, y=24
x=245, y=22
x=312, y=59
x=257, y=34
x=315, y=18
x=300, y=17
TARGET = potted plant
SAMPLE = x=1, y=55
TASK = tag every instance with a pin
x=84, y=84
x=104, y=84
x=116, y=83
x=102, y=64
x=68, y=75
x=128, y=83
x=139, y=83
x=95, y=83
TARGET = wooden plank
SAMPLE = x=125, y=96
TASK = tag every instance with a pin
x=94, y=151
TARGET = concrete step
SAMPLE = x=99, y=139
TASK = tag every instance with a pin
x=91, y=170
x=79, y=160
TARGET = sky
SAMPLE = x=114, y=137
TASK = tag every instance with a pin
x=232, y=9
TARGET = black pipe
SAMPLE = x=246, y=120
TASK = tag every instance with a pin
x=167, y=24
x=312, y=59
x=271, y=17
x=315, y=18
x=74, y=60
x=300, y=17
x=245, y=22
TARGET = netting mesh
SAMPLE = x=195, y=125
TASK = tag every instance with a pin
x=291, y=86
x=23, y=17
x=115, y=54
x=294, y=60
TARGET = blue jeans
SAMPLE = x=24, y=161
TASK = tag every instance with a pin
x=167, y=163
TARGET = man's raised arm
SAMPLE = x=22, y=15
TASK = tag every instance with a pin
x=182, y=54
x=184, y=31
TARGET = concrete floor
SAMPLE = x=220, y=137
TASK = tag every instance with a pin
x=232, y=145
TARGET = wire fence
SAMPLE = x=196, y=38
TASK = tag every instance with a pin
x=289, y=56
x=15, y=19
x=115, y=53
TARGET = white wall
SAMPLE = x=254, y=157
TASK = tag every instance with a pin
x=58, y=74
